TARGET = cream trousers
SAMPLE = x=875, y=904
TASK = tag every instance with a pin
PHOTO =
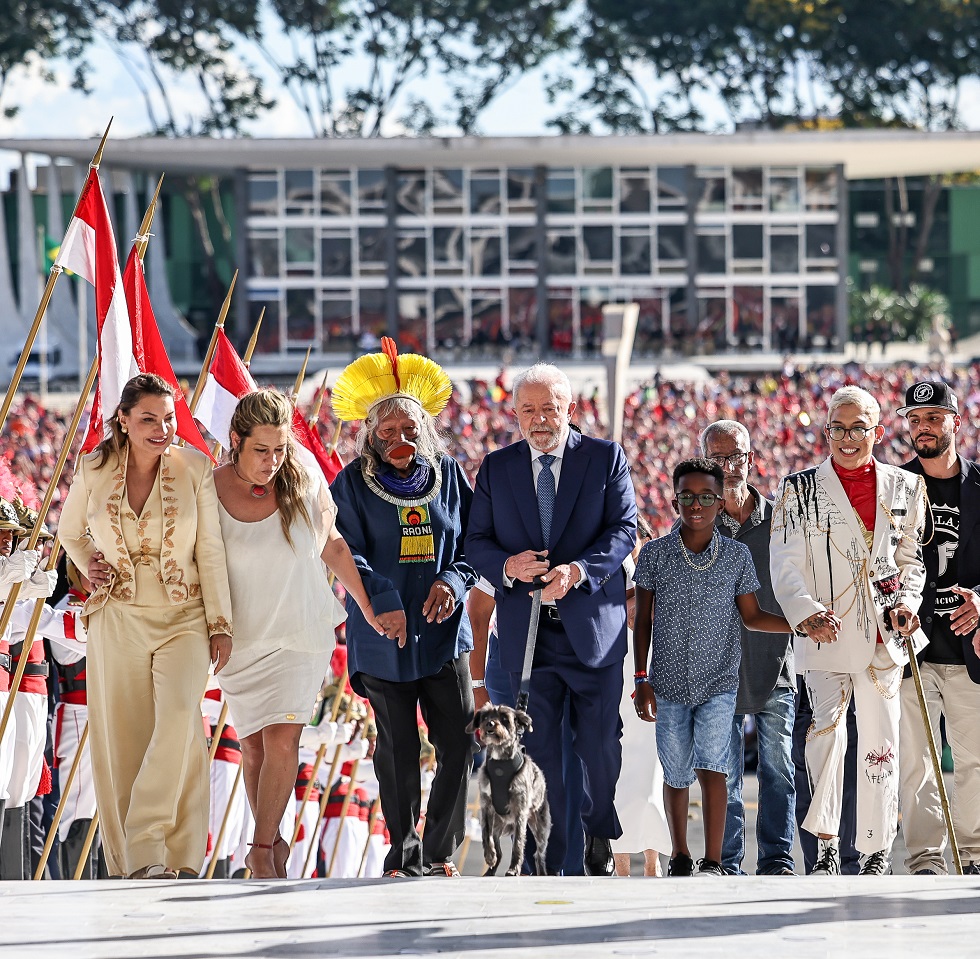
x=948, y=691
x=146, y=670
x=877, y=708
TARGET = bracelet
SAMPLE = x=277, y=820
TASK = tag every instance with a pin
x=640, y=678
x=479, y=684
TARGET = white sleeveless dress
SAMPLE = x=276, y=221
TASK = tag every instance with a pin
x=285, y=614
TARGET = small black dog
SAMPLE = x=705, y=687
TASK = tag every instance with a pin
x=512, y=789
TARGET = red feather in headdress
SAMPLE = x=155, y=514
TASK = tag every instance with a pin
x=28, y=493
x=8, y=485
x=390, y=350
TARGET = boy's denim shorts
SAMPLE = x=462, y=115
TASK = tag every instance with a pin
x=694, y=737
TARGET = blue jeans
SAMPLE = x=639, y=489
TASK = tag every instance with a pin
x=775, y=822
x=693, y=737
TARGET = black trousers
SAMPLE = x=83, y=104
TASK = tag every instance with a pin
x=446, y=701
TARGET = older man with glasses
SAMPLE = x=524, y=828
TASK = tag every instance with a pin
x=766, y=676
x=847, y=570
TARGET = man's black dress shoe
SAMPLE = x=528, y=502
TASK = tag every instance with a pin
x=598, y=856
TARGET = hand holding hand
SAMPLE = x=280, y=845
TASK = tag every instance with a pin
x=439, y=604
x=368, y=613
x=525, y=566
x=966, y=616
x=560, y=580
x=220, y=651
x=822, y=627
x=394, y=626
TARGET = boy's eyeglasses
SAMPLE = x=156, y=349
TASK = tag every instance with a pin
x=732, y=462
x=856, y=433
x=705, y=499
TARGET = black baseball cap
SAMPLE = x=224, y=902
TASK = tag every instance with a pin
x=929, y=395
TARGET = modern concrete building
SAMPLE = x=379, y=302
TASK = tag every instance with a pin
x=470, y=245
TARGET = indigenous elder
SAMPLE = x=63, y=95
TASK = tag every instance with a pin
x=402, y=505
x=949, y=666
x=766, y=675
x=277, y=522
x=141, y=520
x=847, y=570
x=560, y=505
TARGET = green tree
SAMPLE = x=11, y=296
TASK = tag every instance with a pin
x=352, y=65
x=33, y=32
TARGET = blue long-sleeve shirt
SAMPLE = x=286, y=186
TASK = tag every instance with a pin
x=372, y=527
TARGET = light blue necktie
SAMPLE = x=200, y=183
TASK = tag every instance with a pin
x=546, y=495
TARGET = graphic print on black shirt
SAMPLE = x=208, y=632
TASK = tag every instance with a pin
x=944, y=647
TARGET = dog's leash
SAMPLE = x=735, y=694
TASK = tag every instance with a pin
x=524, y=692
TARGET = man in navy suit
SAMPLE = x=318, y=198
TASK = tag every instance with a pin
x=561, y=506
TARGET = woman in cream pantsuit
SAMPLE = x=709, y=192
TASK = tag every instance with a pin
x=142, y=519
x=847, y=571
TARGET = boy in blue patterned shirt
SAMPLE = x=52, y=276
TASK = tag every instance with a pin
x=703, y=582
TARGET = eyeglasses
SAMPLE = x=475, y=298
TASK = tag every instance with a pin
x=705, y=499
x=732, y=462
x=856, y=433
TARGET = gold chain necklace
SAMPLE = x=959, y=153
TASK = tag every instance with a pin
x=715, y=544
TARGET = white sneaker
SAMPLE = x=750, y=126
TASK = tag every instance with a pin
x=828, y=858
x=876, y=864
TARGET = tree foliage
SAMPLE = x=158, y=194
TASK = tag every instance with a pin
x=32, y=32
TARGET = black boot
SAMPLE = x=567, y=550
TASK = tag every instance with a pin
x=12, y=844
x=71, y=849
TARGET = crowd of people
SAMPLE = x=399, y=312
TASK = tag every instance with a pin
x=151, y=533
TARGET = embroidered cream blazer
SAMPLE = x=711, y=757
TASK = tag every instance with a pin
x=192, y=554
x=819, y=559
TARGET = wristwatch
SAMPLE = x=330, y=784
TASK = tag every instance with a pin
x=479, y=684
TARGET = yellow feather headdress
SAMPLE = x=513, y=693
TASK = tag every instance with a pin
x=380, y=376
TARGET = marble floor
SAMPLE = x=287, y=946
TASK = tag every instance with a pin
x=475, y=918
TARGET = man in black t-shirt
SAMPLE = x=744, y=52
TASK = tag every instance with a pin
x=949, y=667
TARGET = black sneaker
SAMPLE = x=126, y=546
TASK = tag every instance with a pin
x=680, y=865
x=708, y=867
x=876, y=864
x=971, y=869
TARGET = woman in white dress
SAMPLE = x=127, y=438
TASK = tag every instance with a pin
x=640, y=790
x=277, y=520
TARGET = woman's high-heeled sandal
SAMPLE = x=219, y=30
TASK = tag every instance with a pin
x=281, y=860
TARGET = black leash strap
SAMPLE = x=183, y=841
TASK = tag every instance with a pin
x=532, y=638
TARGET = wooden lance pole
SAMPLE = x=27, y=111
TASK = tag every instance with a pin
x=300, y=376
x=60, y=811
x=372, y=819
x=321, y=752
x=11, y=600
x=222, y=315
x=326, y=792
x=87, y=846
x=42, y=307
x=343, y=813
x=224, y=823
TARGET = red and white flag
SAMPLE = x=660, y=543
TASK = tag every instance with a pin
x=228, y=380
x=149, y=351
x=89, y=249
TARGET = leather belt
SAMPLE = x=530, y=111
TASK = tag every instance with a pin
x=552, y=613
x=36, y=669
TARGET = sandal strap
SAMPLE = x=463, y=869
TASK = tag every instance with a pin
x=262, y=845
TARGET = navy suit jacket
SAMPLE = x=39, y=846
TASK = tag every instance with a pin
x=594, y=523
x=967, y=555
